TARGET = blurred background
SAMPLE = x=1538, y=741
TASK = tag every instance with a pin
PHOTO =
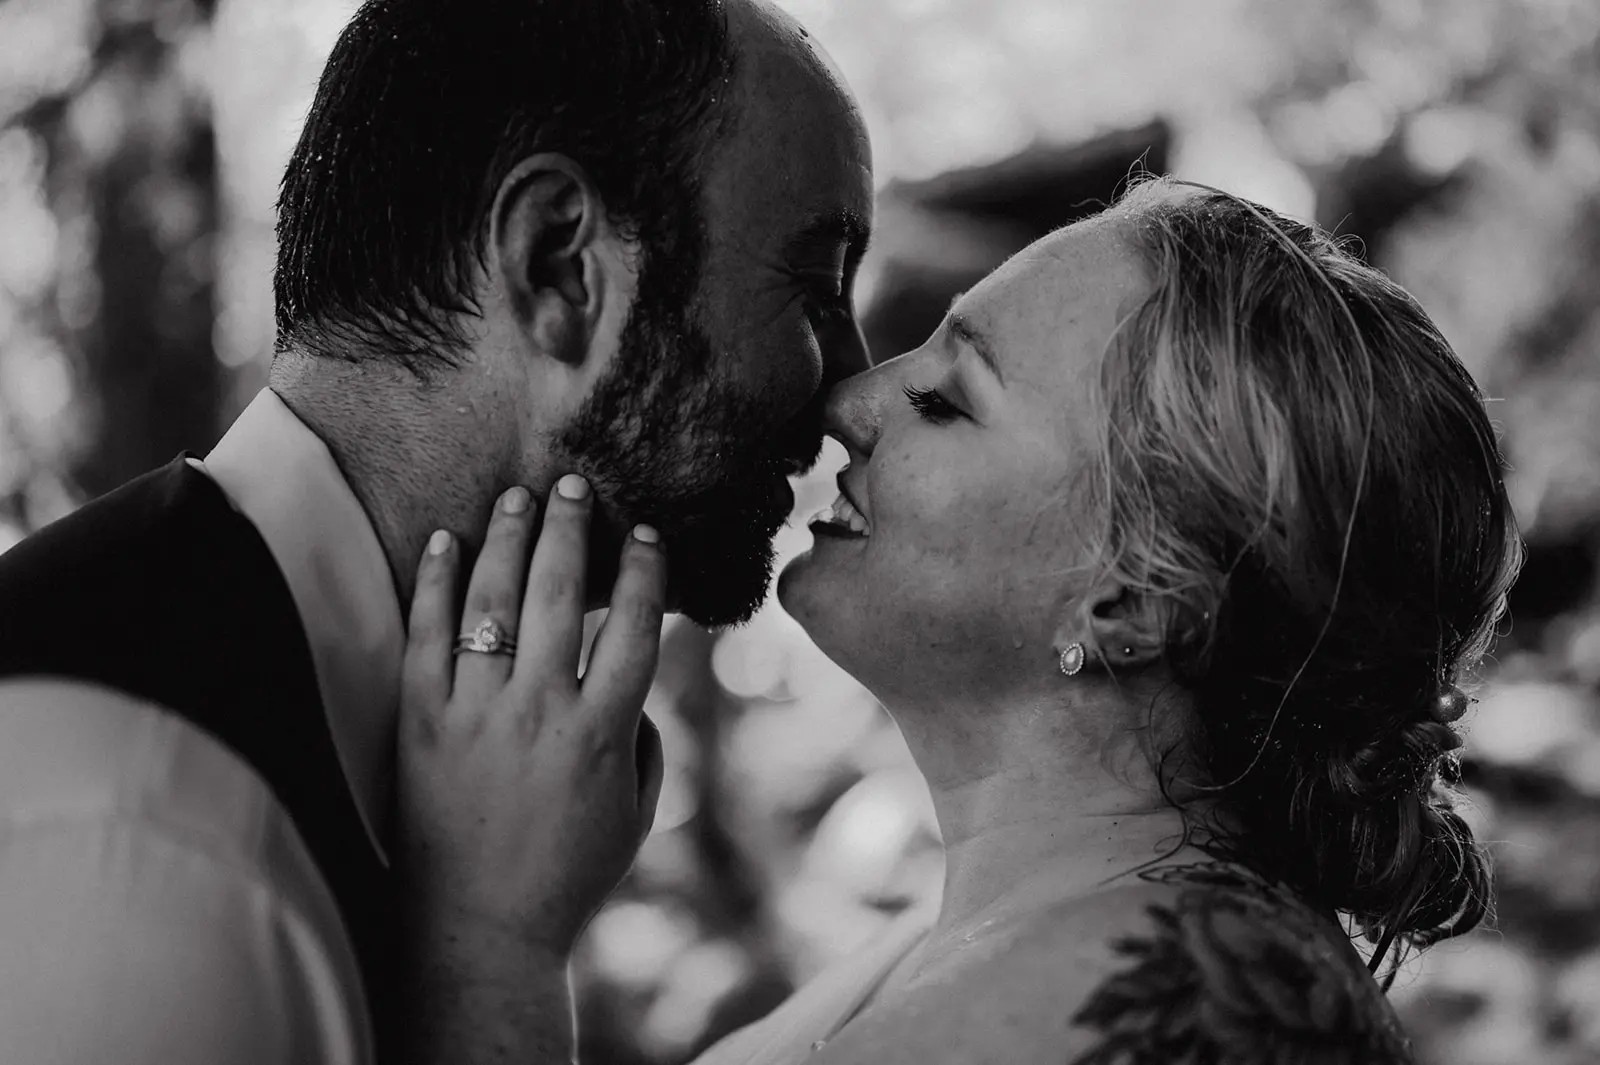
x=141, y=142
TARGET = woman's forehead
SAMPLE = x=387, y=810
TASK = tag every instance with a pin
x=1062, y=296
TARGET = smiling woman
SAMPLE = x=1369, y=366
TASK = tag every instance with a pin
x=1239, y=482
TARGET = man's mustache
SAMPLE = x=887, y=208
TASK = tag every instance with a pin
x=800, y=444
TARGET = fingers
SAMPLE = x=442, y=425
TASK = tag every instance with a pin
x=623, y=660
x=495, y=590
x=553, y=608
x=430, y=633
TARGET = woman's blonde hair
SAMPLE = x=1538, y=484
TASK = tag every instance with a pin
x=1301, y=475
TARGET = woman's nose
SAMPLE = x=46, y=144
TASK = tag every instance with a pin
x=852, y=413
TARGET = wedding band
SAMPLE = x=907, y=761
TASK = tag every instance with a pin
x=489, y=638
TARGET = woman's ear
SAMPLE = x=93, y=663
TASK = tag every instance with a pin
x=550, y=252
x=1120, y=627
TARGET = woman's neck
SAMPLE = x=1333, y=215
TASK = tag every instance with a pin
x=1040, y=804
x=1014, y=844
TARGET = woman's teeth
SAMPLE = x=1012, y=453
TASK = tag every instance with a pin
x=843, y=513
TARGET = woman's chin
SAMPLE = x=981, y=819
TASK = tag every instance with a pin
x=821, y=605
x=792, y=576
x=821, y=587
x=801, y=590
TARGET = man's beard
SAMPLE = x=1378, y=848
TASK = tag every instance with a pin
x=665, y=441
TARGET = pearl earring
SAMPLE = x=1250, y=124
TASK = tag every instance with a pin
x=1072, y=659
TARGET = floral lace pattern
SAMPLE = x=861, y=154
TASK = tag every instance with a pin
x=1237, y=971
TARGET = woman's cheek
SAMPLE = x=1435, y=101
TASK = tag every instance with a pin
x=932, y=526
x=930, y=495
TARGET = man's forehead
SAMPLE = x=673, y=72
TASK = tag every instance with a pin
x=795, y=167
x=809, y=181
x=784, y=78
x=762, y=32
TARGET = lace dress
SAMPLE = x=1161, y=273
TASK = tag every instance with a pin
x=1228, y=969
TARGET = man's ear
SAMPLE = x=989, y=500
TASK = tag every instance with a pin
x=546, y=253
x=1120, y=626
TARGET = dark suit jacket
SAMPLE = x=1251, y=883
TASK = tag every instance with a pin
x=161, y=589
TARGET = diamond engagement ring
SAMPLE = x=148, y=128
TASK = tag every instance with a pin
x=489, y=638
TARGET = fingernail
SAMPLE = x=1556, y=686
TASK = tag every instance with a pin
x=439, y=542
x=573, y=486
x=646, y=534
x=515, y=501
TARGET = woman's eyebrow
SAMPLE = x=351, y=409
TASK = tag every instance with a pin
x=974, y=338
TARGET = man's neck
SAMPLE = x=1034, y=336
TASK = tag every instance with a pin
x=417, y=460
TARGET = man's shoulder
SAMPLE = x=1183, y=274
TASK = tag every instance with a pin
x=77, y=756
x=1190, y=963
x=150, y=871
x=164, y=531
x=122, y=530
x=161, y=589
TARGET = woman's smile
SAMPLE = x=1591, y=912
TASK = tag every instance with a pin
x=841, y=519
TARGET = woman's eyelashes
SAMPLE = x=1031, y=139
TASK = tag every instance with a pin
x=932, y=405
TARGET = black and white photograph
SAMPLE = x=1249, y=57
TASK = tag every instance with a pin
x=799, y=532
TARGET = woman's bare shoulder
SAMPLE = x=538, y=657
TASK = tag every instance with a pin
x=1197, y=963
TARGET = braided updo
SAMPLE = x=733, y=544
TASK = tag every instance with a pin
x=1299, y=471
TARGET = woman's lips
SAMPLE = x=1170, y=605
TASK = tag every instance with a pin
x=842, y=519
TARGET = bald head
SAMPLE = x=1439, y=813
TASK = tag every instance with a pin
x=782, y=67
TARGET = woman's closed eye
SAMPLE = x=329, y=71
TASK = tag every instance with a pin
x=932, y=405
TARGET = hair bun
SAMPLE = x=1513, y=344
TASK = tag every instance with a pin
x=1404, y=760
x=1430, y=739
x=1430, y=734
x=1449, y=705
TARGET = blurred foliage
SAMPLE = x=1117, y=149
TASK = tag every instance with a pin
x=108, y=197
x=140, y=144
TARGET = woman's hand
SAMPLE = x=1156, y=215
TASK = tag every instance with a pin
x=524, y=791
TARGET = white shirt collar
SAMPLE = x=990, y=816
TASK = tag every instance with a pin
x=281, y=476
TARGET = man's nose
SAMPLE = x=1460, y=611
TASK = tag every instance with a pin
x=846, y=355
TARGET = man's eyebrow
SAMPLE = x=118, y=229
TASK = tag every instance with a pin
x=961, y=327
x=827, y=230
